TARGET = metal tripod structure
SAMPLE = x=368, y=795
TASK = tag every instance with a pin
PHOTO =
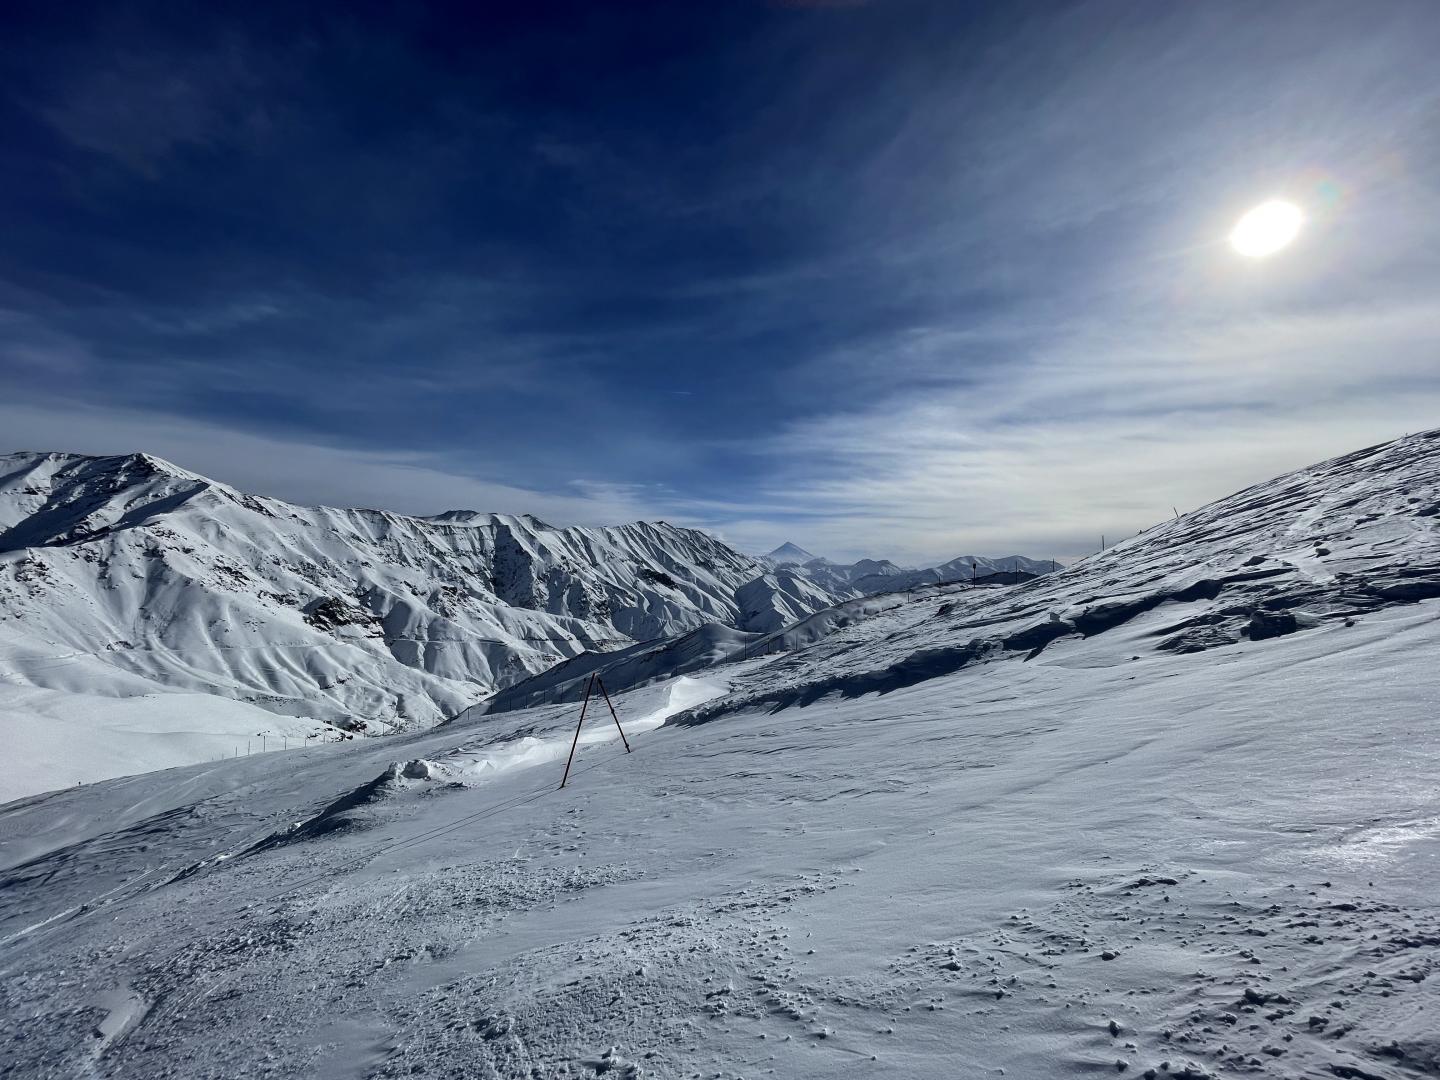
x=590, y=689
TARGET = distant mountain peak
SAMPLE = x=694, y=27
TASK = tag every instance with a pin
x=790, y=553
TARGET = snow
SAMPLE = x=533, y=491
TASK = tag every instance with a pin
x=56, y=739
x=125, y=578
x=529, y=750
x=791, y=891
x=623, y=669
x=867, y=577
x=1085, y=825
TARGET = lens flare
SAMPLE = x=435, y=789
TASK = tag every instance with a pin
x=1267, y=229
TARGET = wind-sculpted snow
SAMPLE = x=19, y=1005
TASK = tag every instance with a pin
x=127, y=576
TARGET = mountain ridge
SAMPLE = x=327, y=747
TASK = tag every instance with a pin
x=152, y=578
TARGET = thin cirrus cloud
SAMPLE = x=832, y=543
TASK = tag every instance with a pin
x=1105, y=436
x=899, y=279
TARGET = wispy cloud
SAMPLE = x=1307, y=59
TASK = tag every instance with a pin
x=137, y=106
x=907, y=280
x=1101, y=436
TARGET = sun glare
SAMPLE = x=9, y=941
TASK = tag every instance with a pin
x=1267, y=228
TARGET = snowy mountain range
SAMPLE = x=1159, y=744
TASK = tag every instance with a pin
x=1168, y=812
x=869, y=576
x=128, y=574
x=125, y=578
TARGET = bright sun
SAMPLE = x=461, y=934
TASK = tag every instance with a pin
x=1266, y=229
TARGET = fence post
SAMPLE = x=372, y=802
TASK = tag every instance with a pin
x=576, y=742
x=600, y=683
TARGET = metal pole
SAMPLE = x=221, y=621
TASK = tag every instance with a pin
x=576, y=743
x=601, y=684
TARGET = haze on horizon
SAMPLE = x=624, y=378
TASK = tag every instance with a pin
x=905, y=278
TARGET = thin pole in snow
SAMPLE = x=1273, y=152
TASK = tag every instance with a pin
x=601, y=684
x=1177, y=513
x=247, y=747
x=588, y=686
x=1102, y=541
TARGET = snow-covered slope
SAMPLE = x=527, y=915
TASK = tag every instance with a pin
x=870, y=576
x=624, y=669
x=1313, y=549
x=128, y=575
x=1186, y=827
x=888, y=577
x=778, y=598
x=708, y=647
x=965, y=567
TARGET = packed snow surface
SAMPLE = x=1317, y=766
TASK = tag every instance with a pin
x=1170, y=812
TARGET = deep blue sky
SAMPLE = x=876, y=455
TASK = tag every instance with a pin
x=900, y=278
